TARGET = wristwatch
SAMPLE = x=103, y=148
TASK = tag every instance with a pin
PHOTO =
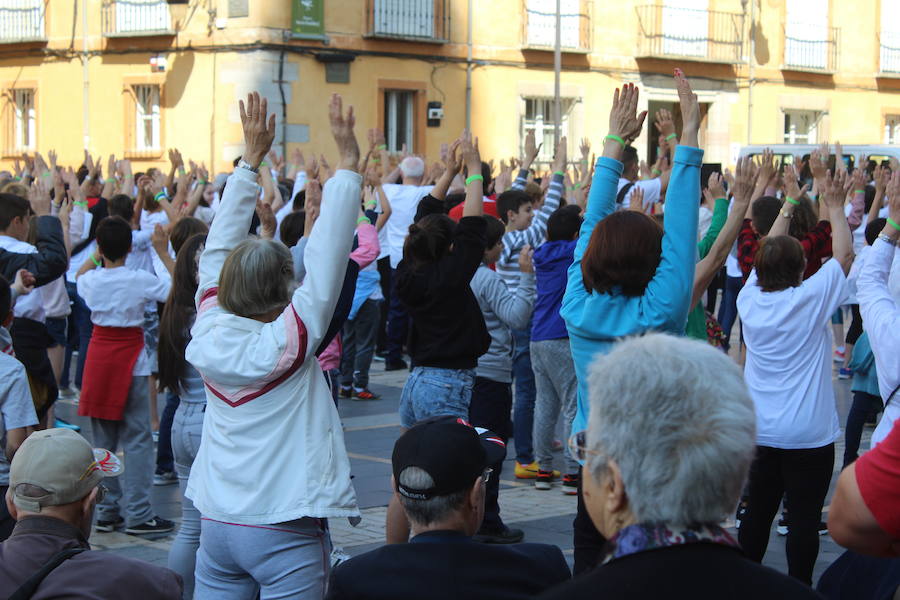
x=786, y=214
x=245, y=165
x=888, y=239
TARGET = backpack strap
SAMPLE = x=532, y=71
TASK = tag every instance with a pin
x=27, y=589
x=620, y=197
x=886, y=402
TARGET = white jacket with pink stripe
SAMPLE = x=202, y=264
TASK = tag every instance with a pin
x=272, y=448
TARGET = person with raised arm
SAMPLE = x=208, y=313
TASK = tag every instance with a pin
x=629, y=275
x=272, y=464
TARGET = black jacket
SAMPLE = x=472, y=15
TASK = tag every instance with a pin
x=448, y=329
x=701, y=571
x=51, y=260
x=449, y=565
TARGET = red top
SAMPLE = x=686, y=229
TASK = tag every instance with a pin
x=490, y=208
x=878, y=478
x=816, y=246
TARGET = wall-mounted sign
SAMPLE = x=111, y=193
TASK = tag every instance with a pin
x=308, y=18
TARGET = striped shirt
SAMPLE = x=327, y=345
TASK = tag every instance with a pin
x=513, y=241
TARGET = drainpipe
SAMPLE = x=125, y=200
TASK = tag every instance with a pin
x=283, y=109
x=469, y=68
x=86, y=96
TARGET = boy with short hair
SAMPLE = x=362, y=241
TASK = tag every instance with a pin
x=116, y=373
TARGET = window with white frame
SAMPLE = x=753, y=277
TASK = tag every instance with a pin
x=541, y=24
x=801, y=126
x=140, y=16
x=24, y=115
x=146, y=117
x=399, y=120
x=892, y=129
x=539, y=118
x=404, y=18
x=685, y=27
x=890, y=36
x=806, y=43
x=21, y=20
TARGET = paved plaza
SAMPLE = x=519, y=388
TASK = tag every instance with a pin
x=371, y=427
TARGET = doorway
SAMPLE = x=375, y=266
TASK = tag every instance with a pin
x=675, y=109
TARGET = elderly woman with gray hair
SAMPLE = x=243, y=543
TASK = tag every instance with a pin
x=669, y=443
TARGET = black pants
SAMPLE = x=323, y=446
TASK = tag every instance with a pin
x=384, y=270
x=490, y=408
x=165, y=460
x=864, y=407
x=856, y=325
x=589, y=542
x=802, y=477
x=6, y=521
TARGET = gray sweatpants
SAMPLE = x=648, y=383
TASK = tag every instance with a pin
x=556, y=385
x=133, y=434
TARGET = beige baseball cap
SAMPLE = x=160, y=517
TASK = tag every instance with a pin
x=61, y=462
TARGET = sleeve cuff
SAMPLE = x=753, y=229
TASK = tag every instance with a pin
x=688, y=155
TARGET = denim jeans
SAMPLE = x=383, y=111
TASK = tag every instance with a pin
x=523, y=412
x=864, y=406
x=397, y=323
x=282, y=560
x=165, y=462
x=359, y=345
x=728, y=309
x=132, y=434
x=431, y=392
x=187, y=431
x=80, y=329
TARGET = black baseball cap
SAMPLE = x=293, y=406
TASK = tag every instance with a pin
x=450, y=450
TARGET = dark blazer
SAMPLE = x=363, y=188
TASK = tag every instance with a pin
x=51, y=259
x=448, y=564
x=701, y=571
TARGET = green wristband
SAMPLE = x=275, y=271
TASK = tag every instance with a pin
x=81, y=203
x=560, y=173
x=202, y=181
x=181, y=171
x=110, y=180
x=475, y=177
x=859, y=191
x=96, y=262
x=47, y=174
x=893, y=223
x=159, y=196
x=671, y=136
x=363, y=220
x=656, y=171
x=790, y=200
x=615, y=138
x=17, y=178
x=381, y=147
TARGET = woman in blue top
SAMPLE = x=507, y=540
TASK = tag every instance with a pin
x=630, y=276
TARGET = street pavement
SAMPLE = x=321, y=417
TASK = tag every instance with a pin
x=370, y=428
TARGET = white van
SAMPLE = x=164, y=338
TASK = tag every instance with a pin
x=785, y=153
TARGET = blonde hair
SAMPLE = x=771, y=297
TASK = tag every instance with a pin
x=257, y=278
x=16, y=188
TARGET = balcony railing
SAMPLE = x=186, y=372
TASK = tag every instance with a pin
x=574, y=25
x=890, y=52
x=413, y=20
x=810, y=47
x=130, y=18
x=22, y=21
x=703, y=35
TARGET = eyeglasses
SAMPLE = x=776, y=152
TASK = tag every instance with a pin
x=578, y=447
x=486, y=475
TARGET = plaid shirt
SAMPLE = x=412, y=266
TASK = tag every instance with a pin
x=816, y=246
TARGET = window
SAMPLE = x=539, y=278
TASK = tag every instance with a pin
x=146, y=117
x=540, y=31
x=136, y=17
x=892, y=129
x=801, y=126
x=22, y=20
x=890, y=36
x=685, y=27
x=399, y=119
x=807, y=40
x=404, y=18
x=23, y=130
x=539, y=118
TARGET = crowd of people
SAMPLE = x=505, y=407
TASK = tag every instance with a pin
x=257, y=301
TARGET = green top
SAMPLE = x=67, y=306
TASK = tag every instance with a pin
x=696, y=322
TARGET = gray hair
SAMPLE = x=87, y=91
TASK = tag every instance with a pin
x=433, y=510
x=257, y=278
x=412, y=166
x=676, y=416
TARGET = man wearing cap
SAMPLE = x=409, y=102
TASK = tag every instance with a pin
x=54, y=484
x=440, y=470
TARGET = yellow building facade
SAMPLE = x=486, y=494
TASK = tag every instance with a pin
x=136, y=77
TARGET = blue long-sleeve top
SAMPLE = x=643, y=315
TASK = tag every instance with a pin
x=596, y=321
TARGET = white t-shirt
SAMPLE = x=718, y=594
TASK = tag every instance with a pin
x=652, y=189
x=16, y=406
x=404, y=201
x=788, y=369
x=30, y=306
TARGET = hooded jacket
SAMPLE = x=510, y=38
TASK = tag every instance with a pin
x=551, y=265
x=272, y=448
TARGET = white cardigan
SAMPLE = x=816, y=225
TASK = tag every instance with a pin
x=272, y=448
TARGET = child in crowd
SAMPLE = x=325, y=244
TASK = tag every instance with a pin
x=491, y=403
x=17, y=415
x=116, y=373
x=525, y=227
x=554, y=371
x=448, y=335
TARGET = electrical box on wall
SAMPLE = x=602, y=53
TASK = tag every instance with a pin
x=435, y=114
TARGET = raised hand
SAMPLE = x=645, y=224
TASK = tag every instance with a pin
x=160, y=239
x=818, y=162
x=532, y=150
x=267, y=220
x=259, y=128
x=636, y=201
x=24, y=282
x=835, y=189
x=51, y=155
x=342, y=130
x=690, y=110
x=453, y=159
x=470, y=155
x=893, y=192
x=792, y=187
x=664, y=123
x=39, y=196
x=624, y=120
x=745, y=176
x=716, y=186
x=766, y=167
x=560, y=158
x=525, y=262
